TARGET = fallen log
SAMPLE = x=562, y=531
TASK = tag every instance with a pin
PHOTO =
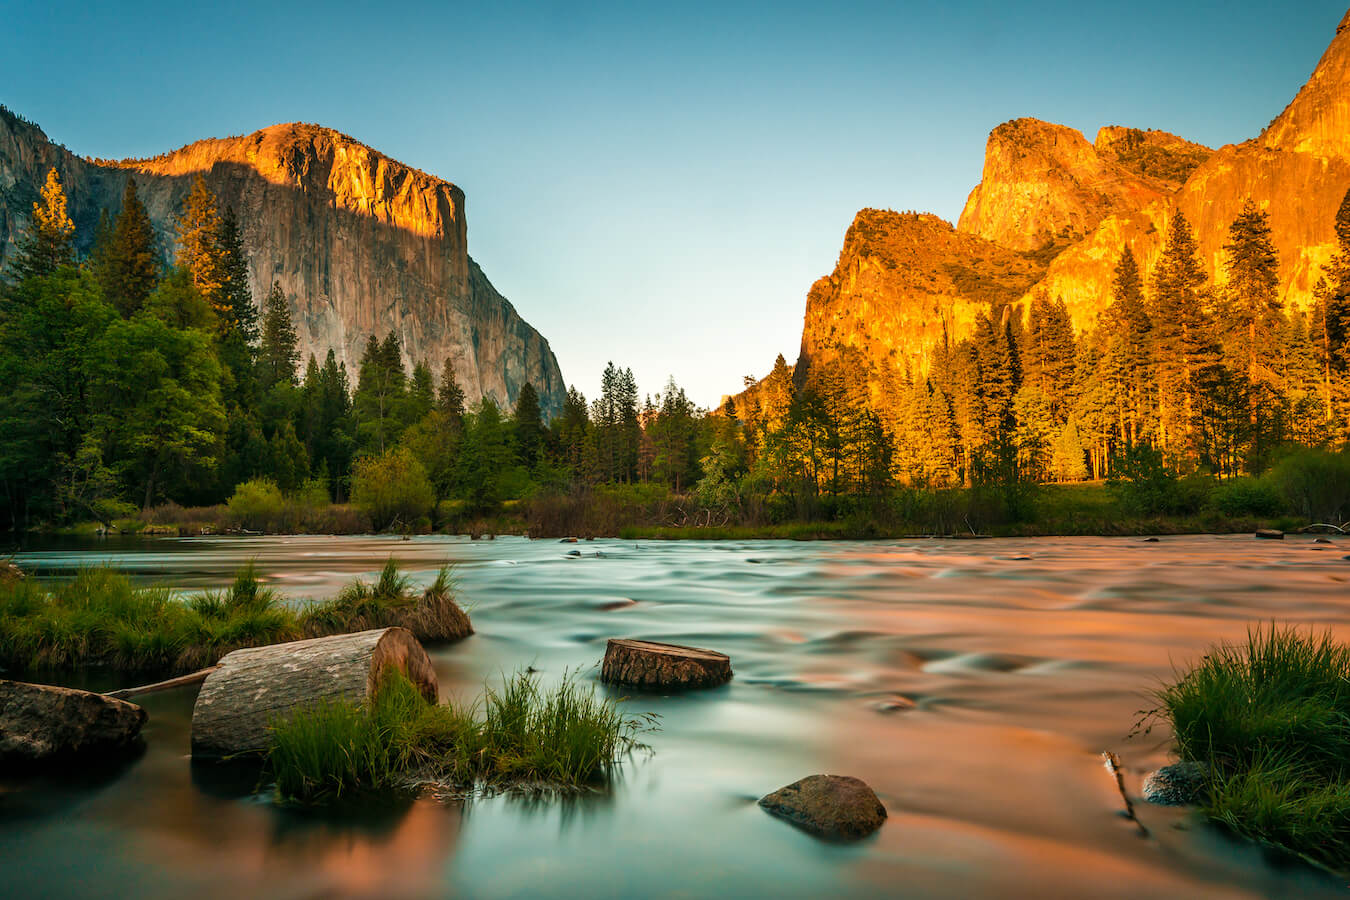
x=252, y=688
x=181, y=680
x=654, y=666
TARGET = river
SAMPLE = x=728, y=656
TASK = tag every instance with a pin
x=973, y=684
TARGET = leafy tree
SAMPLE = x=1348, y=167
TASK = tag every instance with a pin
x=393, y=489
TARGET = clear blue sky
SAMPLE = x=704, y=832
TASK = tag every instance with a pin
x=659, y=184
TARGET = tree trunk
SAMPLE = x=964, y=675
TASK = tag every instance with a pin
x=251, y=688
x=646, y=664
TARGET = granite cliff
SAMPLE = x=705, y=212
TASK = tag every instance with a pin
x=1053, y=213
x=360, y=243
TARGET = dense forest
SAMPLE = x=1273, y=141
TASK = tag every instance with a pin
x=134, y=382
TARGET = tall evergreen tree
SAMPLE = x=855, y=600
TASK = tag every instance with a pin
x=1129, y=357
x=1181, y=328
x=238, y=315
x=1254, y=307
x=279, y=355
x=199, y=246
x=128, y=268
x=528, y=426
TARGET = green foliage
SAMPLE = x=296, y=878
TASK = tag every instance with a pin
x=256, y=504
x=1316, y=483
x=101, y=618
x=514, y=734
x=1271, y=720
x=1146, y=484
x=392, y=489
x=1248, y=497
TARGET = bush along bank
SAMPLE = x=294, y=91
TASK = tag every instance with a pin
x=101, y=619
x=1267, y=722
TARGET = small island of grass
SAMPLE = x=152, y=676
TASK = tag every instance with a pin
x=1269, y=720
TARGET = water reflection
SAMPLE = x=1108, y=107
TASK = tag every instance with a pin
x=971, y=683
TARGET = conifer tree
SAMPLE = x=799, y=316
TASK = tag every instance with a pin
x=1252, y=269
x=199, y=246
x=450, y=396
x=128, y=268
x=50, y=241
x=527, y=426
x=1181, y=331
x=1129, y=359
x=238, y=315
x=279, y=355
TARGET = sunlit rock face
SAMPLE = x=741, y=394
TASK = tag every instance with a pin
x=905, y=282
x=1053, y=213
x=1045, y=185
x=361, y=244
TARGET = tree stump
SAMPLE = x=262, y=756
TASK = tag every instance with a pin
x=251, y=688
x=646, y=664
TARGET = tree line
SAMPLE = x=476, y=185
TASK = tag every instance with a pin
x=135, y=381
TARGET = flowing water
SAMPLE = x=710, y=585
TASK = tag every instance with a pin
x=973, y=684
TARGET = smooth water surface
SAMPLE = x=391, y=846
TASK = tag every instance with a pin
x=973, y=684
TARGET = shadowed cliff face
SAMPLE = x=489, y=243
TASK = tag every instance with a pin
x=361, y=244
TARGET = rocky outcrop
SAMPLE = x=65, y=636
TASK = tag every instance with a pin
x=905, y=282
x=360, y=243
x=1053, y=213
x=1044, y=186
x=838, y=807
x=41, y=724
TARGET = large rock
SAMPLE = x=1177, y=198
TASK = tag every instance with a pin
x=832, y=806
x=40, y=723
x=361, y=244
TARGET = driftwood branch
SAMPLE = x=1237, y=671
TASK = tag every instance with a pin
x=190, y=678
x=1113, y=766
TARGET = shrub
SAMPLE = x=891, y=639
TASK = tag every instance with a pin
x=1316, y=483
x=1146, y=484
x=392, y=489
x=1248, y=497
x=256, y=505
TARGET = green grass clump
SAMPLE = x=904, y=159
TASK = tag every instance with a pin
x=1271, y=720
x=517, y=733
x=101, y=618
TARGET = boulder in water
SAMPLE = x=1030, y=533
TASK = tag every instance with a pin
x=1270, y=534
x=40, y=723
x=838, y=807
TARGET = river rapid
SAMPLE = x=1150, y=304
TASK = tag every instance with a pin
x=973, y=684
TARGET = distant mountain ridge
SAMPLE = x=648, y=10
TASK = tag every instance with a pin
x=360, y=243
x=1053, y=213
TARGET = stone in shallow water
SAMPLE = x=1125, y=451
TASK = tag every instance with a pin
x=1270, y=534
x=831, y=806
x=40, y=723
x=1180, y=784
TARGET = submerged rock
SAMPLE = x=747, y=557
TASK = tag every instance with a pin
x=1180, y=784
x=39, y=723
x=831, y=806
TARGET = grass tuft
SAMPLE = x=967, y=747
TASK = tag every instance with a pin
x=1270, y=718
x=512, y=734
x=101, y=618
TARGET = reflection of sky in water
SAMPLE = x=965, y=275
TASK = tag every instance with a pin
x=972, y=683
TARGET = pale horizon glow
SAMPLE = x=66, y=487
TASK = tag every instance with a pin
x=660, y=188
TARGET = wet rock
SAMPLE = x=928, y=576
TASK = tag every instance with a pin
x=1180, y=784
x=568, y=540
x=40, y=723
x=1150, y=540
x=1270, y=534
x=653, y=666
x=838, y=807
x=574, y=553
x=898, y=703
x=1321, y=541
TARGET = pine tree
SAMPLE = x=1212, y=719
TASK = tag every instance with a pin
x=238, y=315
x=128, y=269
x=1252, y=270
x=50, y=241
x=1181, y=331
x=199, y=246
x=279, y=355
x=450, y=396
x=1129, y=356
x=527, y=426
x=1335, y=320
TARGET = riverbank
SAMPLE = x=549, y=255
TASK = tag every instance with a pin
x=652, y=512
